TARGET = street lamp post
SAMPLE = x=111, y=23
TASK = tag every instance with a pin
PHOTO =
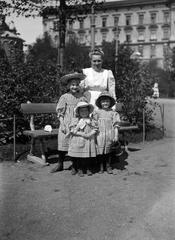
x=92, y=27
x=62, y=31
x=116, y=45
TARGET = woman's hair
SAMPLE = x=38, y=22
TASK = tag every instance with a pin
x=96, y=51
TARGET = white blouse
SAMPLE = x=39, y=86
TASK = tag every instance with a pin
x=97, y=82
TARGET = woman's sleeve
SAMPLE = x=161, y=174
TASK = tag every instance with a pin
x=116, y=119
x=111, y=84
x=61, y=106
x=83, y=82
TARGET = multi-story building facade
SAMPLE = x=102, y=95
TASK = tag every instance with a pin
x=148, y=26
x=10, y=42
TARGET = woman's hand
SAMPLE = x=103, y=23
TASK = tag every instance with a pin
x=115, y=139
x=63, y=128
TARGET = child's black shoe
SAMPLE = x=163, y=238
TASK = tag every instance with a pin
x=73, y=171
x=109, y=170
x=89, y=173
x=80, y=173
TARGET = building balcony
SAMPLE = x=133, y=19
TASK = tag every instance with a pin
x=166, y=25
x=128, y=28
x=116, y=29
x=141, y=27
x=70, y=32
x=104, y=29
x=153, y=39
x=140, y=40
x=81, y=31
x=153, y=26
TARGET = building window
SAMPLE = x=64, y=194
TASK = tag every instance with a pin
x=141, y=18
x=81, y=24
x=104, y=22
x=128, y=20
x=116, y=21
x=128, y=38
x=165, y=50
x=104, y=36
x=141, y=37
x=91, y=20
x=153, y=51
x=153, y=36
x=81, y=38
x=70, y=25
x=166, y=33
x=166, y=17
x=56, y=25
x=153, y=18
x=140, y=49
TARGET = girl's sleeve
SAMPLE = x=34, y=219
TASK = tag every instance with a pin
x=111, y=84
x=73, y=123
x=61, y=107
x=115, y=119
x=94, y=125
x=95, y=115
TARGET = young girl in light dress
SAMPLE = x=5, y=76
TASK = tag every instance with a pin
x=108, y=129
x=65, y=111
x=82, y=145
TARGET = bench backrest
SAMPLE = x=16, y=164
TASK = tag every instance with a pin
x=36, y=108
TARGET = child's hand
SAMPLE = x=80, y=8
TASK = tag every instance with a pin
x=91, y=134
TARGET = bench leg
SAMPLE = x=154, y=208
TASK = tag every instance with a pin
x=125, y=142
x=42, y=149
x=36, y=159
x=32, y=146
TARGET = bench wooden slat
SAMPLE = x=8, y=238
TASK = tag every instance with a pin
x=34, y=108
x=127, y=128
x=40, y=133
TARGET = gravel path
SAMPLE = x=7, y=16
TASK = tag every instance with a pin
x=136, y=203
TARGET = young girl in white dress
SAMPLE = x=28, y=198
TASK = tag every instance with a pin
x=82, y=141
x=108, y=129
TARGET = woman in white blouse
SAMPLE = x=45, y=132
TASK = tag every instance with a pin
x=97, y=79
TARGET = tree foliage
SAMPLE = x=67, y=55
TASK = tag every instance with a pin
x=133, y=85
x=31, y=81
x=33, y=8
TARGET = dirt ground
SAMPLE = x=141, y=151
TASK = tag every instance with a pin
x=137, y=202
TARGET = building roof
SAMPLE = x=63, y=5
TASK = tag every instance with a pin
x=131, y=3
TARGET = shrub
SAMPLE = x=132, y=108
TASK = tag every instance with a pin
x=133, y=86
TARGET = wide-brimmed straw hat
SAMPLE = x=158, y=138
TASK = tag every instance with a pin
x=82, y=104
x=105, y=94
x=71, y=76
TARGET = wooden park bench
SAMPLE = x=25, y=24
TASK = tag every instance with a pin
x=41, y=135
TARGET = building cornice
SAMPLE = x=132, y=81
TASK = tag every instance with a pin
x=113, y=5
x=134, y=3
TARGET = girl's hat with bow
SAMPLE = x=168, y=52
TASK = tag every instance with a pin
x=103, y=95
x=72, y=76
x=83, y=104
